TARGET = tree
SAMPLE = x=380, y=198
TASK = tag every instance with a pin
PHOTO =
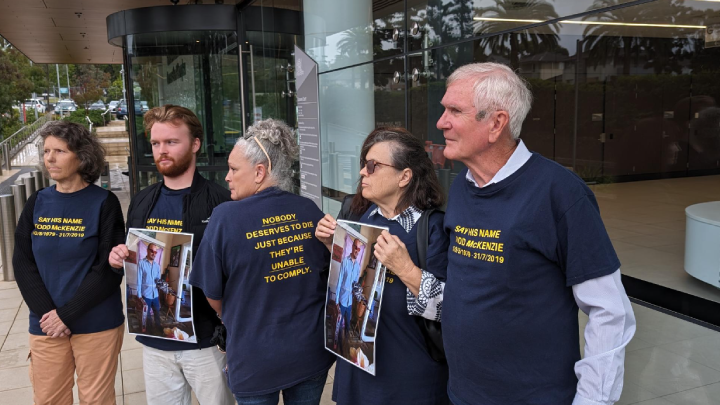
x=514, y=44
x=89, y=85
x=605, y=42
x=32, y=72
x=114, y=92
x=14, y=87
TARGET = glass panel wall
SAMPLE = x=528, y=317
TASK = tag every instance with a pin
x=197, y=70
x=435, y=22
x=346, y=33
x=626, y=97
x=614, y=104
x=353, y=102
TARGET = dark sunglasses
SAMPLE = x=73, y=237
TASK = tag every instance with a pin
x=371, y=164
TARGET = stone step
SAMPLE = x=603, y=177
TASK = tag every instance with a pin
x=116, y=123
x=110, y=128
x=117, y=161
x=112, y=134
x=112, y=131
x=119, y=152
x=116, y=146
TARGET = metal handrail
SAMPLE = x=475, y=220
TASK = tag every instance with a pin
x=104, y=115
x=19, y=139
x=87, y=117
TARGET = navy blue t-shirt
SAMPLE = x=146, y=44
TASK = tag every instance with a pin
x=510, y=322
x=405, y=372
x=65, y=247
x=260, y=257
x=166, y=216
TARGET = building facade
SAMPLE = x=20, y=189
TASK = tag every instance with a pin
x=625, y=94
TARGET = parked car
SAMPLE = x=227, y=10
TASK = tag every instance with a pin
x=113, y=105
x=144, y=106
x=65, y=105
x=98, y=105
x=36, y=104
x=121, y=110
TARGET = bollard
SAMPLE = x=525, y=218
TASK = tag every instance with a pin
x=6, y=155
x=29, y=186
x=18, y=191
x=37, y=175
x=7, y=235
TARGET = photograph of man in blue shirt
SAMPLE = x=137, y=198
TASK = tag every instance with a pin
x=148, y=272
x=349, y=274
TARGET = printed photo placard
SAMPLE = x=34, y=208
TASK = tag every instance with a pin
x=158, y=294
x=355, y=286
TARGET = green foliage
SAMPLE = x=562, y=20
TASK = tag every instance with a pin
x=14, y=86
x=9, y=123
x=89, y=84
x=114, y=92
x=78, y=117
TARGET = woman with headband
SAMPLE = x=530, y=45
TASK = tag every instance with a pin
x=264, y=272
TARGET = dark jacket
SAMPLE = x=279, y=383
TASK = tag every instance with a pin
x=204, y=196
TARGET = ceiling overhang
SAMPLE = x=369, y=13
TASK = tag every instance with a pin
x=67, y=31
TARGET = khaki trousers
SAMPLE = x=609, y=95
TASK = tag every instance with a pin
x=93, y=356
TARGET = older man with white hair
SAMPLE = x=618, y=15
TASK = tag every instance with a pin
x=528, y=248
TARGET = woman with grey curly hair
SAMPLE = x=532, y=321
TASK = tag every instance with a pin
x=269, y=145
x=62, y=243
x=261, y=269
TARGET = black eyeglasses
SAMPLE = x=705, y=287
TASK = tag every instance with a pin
x=371, y=164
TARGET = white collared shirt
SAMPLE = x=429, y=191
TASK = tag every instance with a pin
x=519, y=157
x=610, y=327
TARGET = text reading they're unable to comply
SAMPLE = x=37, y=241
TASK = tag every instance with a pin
x=284, y=247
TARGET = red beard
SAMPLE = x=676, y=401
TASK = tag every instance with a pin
x=177, y=167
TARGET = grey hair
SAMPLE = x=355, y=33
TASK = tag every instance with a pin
x=278, y=139
x=497, y=88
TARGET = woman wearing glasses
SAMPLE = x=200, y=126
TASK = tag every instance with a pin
x=264, y=274
x=397, y=184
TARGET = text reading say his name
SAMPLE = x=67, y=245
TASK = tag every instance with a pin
x=287, y=261
x=165, y=225
x=60, y=227
x=495, y=248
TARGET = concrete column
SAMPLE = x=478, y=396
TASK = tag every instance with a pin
x=339, y=34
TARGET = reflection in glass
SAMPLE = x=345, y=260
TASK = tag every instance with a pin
x=345, y=33
x=447, y=21
x=353, y=102
x=619, y=96
x=267, y=56
x=645, y=102
x=197, y=70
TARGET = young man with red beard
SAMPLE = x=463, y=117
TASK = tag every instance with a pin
x=184, y=199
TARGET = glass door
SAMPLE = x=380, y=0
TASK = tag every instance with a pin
x=198, y=70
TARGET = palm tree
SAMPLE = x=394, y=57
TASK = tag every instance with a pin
x=355, y=46
x=604, y=42
x=513, y=45
x=664, y=55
